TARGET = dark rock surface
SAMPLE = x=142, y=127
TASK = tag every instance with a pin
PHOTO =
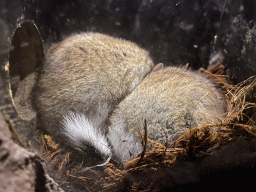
x=175, y=32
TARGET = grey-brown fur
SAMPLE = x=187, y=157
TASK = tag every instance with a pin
x=172, y=100
x=89, y=73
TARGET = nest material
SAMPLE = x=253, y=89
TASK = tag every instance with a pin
x=166, y=167
x=183, y=161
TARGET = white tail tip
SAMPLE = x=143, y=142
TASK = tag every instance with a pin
x=79, y=130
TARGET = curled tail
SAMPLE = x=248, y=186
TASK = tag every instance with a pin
x=79, y=131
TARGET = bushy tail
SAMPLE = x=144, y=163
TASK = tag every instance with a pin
x=79, y=130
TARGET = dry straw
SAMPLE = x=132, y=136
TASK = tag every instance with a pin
x=144, y=172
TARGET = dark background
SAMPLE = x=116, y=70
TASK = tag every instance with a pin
x=175, y=32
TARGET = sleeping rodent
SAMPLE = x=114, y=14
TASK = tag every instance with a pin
x=87, y=73
x=171, y=99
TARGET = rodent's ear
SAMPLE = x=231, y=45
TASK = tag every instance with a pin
x=158, y=66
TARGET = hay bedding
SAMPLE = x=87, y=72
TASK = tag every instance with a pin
x=196, y=158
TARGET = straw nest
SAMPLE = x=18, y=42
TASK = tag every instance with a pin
x=184, y=160
x=192, y=154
